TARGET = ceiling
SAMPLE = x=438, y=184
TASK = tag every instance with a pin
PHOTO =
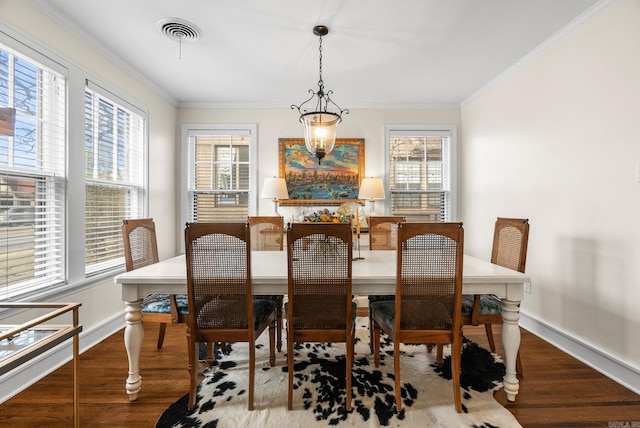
x=259, y=53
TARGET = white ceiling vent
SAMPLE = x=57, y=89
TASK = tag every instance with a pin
x=179, y=30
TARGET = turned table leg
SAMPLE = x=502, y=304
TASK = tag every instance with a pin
x=133, y=335
x=511, y=344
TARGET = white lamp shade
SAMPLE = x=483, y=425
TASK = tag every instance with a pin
x=371, y=189
x=275, y=188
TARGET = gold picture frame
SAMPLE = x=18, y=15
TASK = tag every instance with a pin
x=333, y=182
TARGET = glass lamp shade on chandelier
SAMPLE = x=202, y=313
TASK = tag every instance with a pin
x=320, y=125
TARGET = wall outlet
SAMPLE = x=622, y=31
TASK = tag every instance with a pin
x=527, y=287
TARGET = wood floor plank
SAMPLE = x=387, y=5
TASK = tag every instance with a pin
x=555, y=391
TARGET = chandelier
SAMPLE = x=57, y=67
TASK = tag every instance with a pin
x=320, y=125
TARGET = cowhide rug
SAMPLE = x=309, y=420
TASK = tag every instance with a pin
x=320, y=389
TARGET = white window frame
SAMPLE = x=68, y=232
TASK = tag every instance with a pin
x=450, y=178
x=136, y=181
x=188, y=130
x=49, y=247
x=72, y=238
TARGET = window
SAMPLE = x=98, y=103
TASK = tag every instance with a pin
x=220, y=173
x=420, y=177
x=32, y=176
x=114, y=165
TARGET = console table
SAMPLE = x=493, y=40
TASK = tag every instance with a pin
x=20, y=343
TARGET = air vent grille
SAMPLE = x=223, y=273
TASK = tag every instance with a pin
x=179, y=30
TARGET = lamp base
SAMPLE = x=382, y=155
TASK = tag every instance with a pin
x=372, y=207
x=275, y=212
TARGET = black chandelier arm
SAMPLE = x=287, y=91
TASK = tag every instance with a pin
x=329, y=100
x=299, y=107
x=322, y=105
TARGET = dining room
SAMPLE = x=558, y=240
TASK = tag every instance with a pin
x=549, y=135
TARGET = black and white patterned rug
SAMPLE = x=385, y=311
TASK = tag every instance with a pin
x=320, y=389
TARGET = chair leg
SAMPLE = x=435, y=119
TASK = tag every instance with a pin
x=492, y=343
x=252, y=368
x=210, y=353
x=272, y=351
x=193, y=373
x=456, y=356
x=439, y=352
x=290, y=368
x=163, y=328
x=376, y=344
x=370, y=330
x=279, y=329
x=349, y=365
x=396, y=370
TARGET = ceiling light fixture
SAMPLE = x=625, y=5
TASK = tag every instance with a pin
x=320, y=125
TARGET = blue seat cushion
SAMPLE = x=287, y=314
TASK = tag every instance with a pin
x=159, y=304
x=262, y=309
x=489, y=305
x=386, y=309
x=275, y=298
x=379, y=298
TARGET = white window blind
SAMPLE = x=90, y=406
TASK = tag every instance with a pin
x=114, y=179
x=32, y=176
x=420, y=173
x=219, y=175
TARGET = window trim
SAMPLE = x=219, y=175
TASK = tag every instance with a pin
x=109, y=93
x=186, y=130
x=453, y=162
x=76, y=75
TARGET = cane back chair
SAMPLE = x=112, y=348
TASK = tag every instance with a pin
x=510, y=241
x=141, y=249
x=221, y=306
x=320, y=307
x=427, y=307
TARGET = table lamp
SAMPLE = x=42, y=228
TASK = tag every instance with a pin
x=371, y=189
x=275, y=188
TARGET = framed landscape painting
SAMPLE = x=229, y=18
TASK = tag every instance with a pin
x=335, y=181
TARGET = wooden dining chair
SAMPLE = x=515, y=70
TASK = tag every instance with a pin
x=141, y=249
x=320, y=307
x=267, y=234
x=428, y=296
x=383, y=235
x=510, y=242
x=221, y=305
x=383, y=232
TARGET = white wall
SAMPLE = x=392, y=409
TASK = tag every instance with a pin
x=283, y=123
x=101, y=302
x=557, y=140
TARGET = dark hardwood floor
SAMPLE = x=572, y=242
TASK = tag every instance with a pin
x=555, y=391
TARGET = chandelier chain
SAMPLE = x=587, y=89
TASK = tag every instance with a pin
x=321, y=82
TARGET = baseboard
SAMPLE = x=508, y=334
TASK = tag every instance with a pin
x=29, y=373
x=614, y=369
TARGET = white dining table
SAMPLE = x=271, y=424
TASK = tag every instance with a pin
x=375, y=274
